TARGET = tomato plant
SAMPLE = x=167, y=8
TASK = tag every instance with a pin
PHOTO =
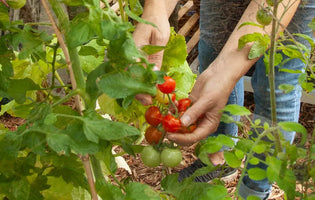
x=153, y=135
x=168, y=86
x=150, y=157
x=263, y=17
x=171, y=157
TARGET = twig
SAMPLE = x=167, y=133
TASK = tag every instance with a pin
x=87, y=166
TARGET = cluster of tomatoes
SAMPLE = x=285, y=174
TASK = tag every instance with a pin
x=165, y=117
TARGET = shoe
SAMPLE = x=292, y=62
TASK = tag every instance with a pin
x=225, y=173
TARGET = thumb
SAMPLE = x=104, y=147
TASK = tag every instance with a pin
x=194, y=112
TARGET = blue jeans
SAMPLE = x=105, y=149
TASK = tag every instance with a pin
x=217, y=19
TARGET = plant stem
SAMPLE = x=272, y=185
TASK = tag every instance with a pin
x=121, y=8
x=271, y=77
x=86, y=163
x=97, y=169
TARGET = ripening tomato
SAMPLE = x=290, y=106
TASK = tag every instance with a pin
x=188, y=129
x=153, y=116
x=171, y=157
x=183, y=104
x=150, y=157
x=171, y=123
x=168, y=86
x=153, y=135
x=163, y=98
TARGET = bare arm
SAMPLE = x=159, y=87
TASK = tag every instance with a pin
x=214, y=85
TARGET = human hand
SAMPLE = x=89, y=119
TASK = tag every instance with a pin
x=146, y=34
x=209, y=95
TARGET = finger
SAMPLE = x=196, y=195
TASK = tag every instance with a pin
x=192, y=114
x=157, y=59
x=189, y=138
x=144, y=99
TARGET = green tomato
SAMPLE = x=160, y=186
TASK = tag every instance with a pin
x=171, y=157
x=263, y=17
x=16, y=4
x=150, y=157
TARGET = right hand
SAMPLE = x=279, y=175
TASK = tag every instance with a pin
x=209, y=96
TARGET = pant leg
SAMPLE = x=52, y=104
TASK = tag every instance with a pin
x=288, y=105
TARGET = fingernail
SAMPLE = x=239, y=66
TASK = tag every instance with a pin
x=155, y=68
x=185, y=120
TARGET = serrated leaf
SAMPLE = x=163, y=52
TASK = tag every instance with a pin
x=138, y=191
x=87, y=51
x=248, y=38
x=286, y=88
x=59, y=142
x=254, y=161
x=19, y=87
x=175, y=53
x=235, y=109
x=20, y=189
x=137, y=18
x=294, y=126
x=108, y=191
x=232, y=160
x=256, y=173
x=152, y=49
x=122, y=85
x=259, y=47
x=107, y=130
x=259, y=148
x=80, y=33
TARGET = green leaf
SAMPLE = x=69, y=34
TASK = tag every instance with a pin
x=73, y=2
x=286, y=88
x=138, y=191
x=244, y=144
x=20, y=189
x=306, y=37
x=50, y=119
x=19, y=87
x=294, y=126
x=108, y=191
x=152, y=49
x=256, y=173
x=283, y=176
x=121, y=85
x=59, y=142
x=136, y=7
x=259, y=148
x=185, y=79
x=123, y=51
x=80, y=32
x=254, y=161
x=87, y=51
x=251, y=197
x=232, y=160
x=95, y=129
x=259, y=47
x=175, y=53
x=250, y=23
x=248, y=38
x=224, y=140
x=137, y=18
x=235, y=109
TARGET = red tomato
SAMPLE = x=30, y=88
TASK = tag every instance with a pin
x=183, y=104
x=168, y=86
x=152, y=135
x=153, y=116
x=189, y=129
x=171, y=123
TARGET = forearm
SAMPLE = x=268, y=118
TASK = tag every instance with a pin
x=160, y=5
x=233, y=63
